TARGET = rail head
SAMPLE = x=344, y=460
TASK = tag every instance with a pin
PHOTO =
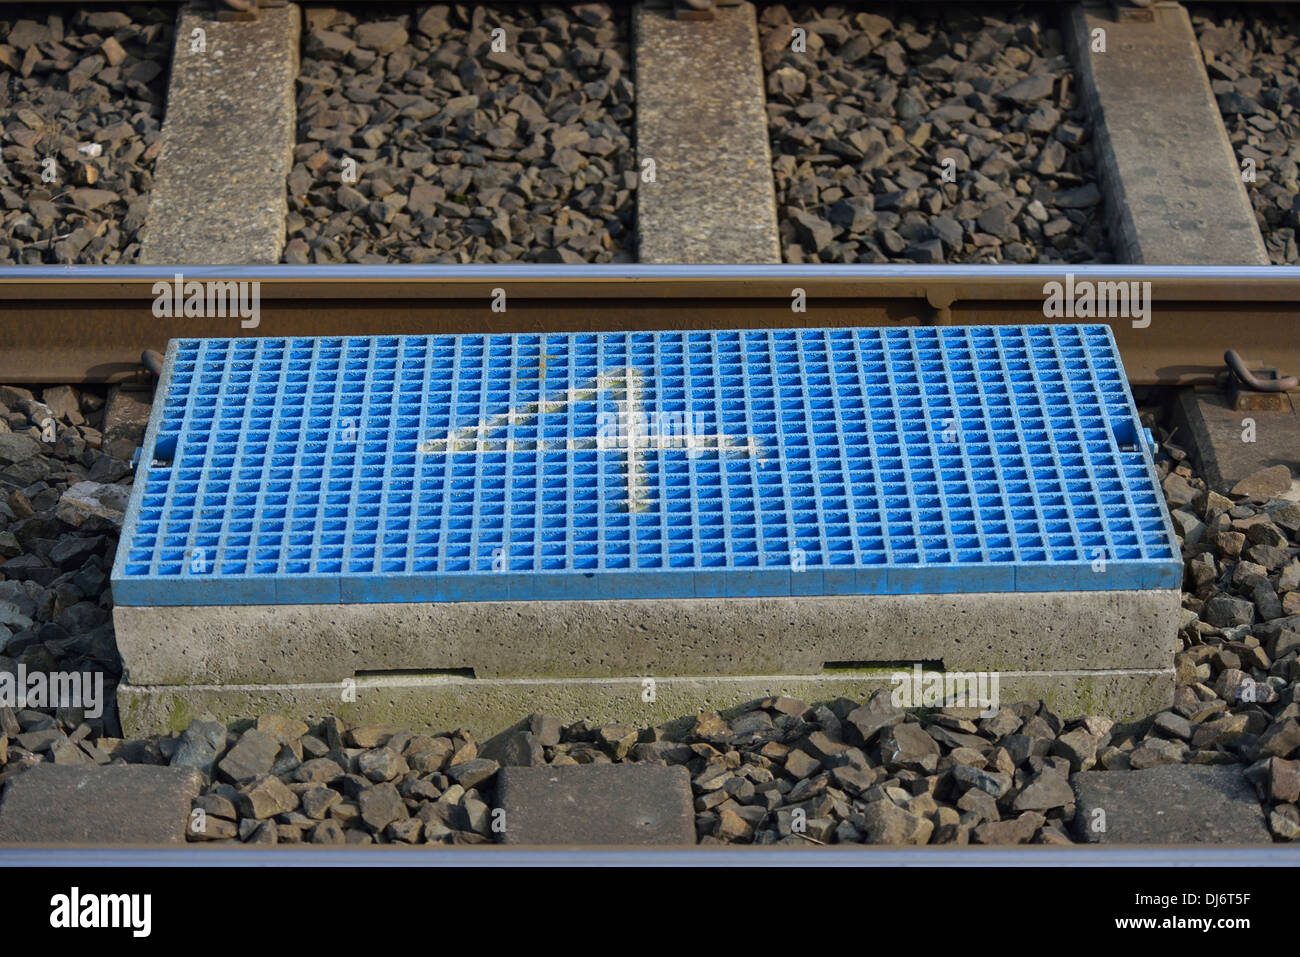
x=1242, y=284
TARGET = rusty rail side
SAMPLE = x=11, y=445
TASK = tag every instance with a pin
x=91, y=326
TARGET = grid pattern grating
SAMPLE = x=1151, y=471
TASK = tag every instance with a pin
x=643, y=465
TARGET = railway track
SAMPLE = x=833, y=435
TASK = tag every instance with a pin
x=409, y=172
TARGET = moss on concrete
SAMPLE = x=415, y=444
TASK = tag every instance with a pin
x=487, y=707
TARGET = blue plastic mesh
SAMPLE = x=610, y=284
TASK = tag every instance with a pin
x=667, y=464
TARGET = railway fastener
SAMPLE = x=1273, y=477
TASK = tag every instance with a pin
x=238, y=10
x=1261, y=390
x=696, y=9
x=1134, y=11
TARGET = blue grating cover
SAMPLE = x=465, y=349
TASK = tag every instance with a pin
x=643, y=465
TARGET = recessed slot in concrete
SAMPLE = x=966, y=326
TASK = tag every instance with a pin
x=397, y=673
x=840, y=667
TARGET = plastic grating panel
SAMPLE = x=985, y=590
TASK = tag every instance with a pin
x=643, y=465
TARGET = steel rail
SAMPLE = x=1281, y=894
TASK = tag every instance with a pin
x=495, y=856
x=85, y=324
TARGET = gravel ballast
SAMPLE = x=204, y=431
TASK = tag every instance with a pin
x=464, y=153
x=781, y=771
x=82, y=94
x=1252, y=57
x=930, y=137
x=63, y=491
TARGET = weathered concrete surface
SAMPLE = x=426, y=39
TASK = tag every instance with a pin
x=117, y=804
x=1172, y=804
x=1003, y=631
x=1212, y=431
x=219, y=194
x=596, y=805
x=701, y=115
x=488, y=706
x=1173, y=187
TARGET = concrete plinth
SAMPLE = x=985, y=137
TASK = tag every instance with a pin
x=597, y=805
x=1175, y=804
x=1174, y=193
x=702, y=119
x=1228, y=444
x=489, y=706
x=219, y=194
x=135, y=804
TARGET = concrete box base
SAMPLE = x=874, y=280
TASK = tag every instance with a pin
x=991, y=631
x=489, y=706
